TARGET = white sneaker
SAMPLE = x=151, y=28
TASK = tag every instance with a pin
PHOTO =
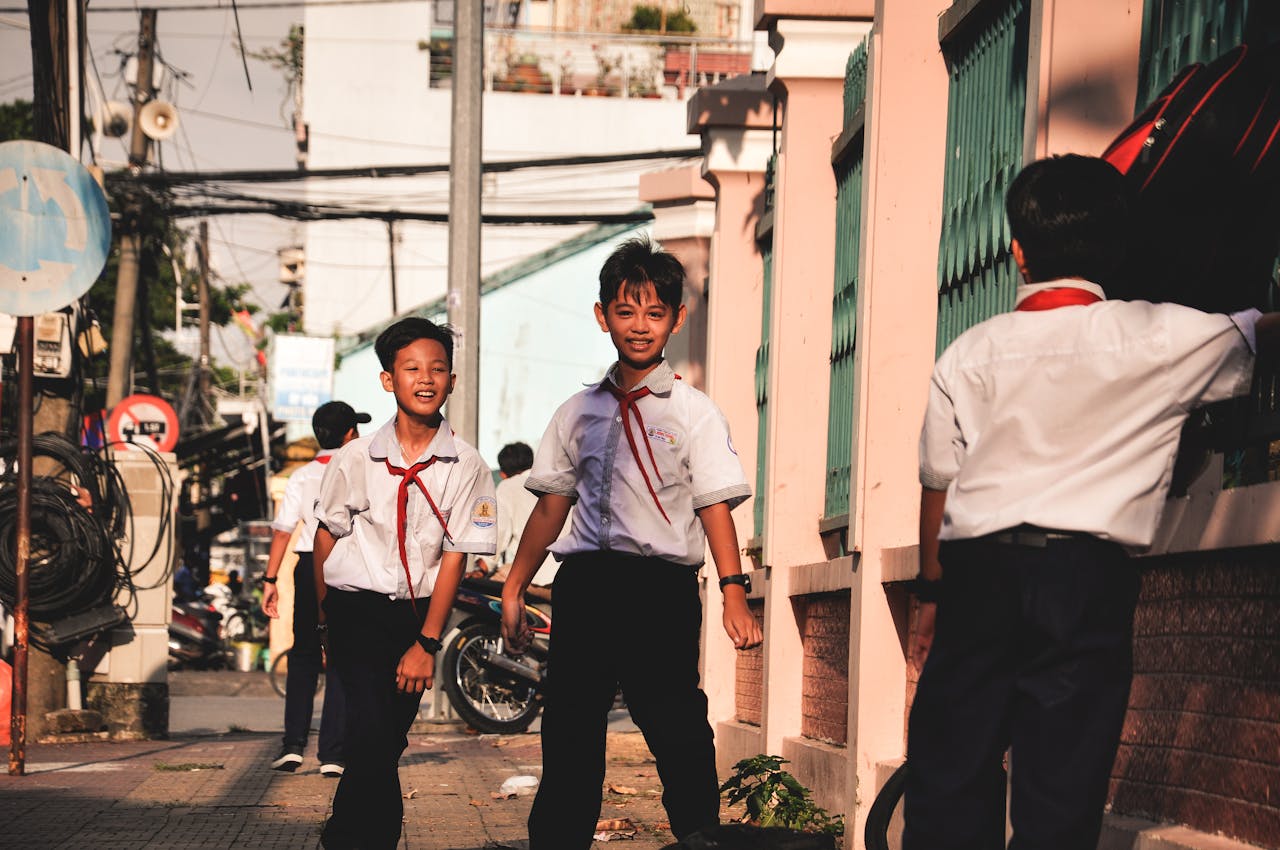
x=332, y=769
x=287, y=761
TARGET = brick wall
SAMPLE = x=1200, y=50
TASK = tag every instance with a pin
x=824, y=700
x=748, y=675
x=1201, y=742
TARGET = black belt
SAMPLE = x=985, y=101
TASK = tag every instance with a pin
x=1037, y=538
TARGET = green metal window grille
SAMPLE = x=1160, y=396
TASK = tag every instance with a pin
x=840, y=411
x=986, y=104
x=1176, y=33
x=762, y=390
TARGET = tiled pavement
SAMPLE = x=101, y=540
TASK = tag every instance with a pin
x=217, y=792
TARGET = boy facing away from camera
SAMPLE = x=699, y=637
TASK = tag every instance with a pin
x=1046, y=457
x=398, y=513
x=647, y=463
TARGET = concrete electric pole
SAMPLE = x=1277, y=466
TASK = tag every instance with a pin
x=464, y=216
x=118, y=378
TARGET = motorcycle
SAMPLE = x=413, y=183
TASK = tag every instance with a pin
x=490, y=689
x=195, y=635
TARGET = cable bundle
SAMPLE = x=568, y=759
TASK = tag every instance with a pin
x=79, y=559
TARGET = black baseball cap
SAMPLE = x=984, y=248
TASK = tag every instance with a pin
x=332, y=420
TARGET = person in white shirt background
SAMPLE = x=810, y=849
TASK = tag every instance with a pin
x=1045, y=457
x=334, y=424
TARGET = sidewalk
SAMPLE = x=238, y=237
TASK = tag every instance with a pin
x=216, y=791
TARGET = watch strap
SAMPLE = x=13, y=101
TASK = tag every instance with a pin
x=741, y=578
x=429, y=644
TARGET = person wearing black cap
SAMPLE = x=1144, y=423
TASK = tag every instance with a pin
x=334, y=425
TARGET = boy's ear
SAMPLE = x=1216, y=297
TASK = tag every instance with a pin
x=1020, y=260
x=386, y=382
x=604, y=326
x=453, y=382
x=681, y=315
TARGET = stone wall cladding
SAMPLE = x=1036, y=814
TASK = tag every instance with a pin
x=824, y=701
x=748, y=676
x=1201, y=741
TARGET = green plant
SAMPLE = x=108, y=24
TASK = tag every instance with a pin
x=774, y=797
x=187, y=766
x=646, y=18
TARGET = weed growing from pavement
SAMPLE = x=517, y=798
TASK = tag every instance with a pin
x=236, y=729
x=187, y=766
x=774, y=797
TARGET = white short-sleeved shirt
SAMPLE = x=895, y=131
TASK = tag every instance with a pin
x=585, y=456
x=1069, y=418
x=357, y=504
x=298, y=504
x=515, y=504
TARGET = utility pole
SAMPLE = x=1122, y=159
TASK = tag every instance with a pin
x=118, y=378
x=391, y=257
x=205, y=367
x=464, y=215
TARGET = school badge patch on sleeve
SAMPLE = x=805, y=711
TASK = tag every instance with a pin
x=484, y=512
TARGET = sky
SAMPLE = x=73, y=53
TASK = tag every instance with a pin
x=222, y=123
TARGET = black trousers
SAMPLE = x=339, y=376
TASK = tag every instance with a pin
x=306, y=659
x=368, y=634
x=1032, y=653
x=622, y=620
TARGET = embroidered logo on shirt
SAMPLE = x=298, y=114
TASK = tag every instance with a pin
x=484, y=512
x=663, y=435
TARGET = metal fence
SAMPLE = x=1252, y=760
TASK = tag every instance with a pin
x=840, y=411
x=986, y=104
x=594, y=64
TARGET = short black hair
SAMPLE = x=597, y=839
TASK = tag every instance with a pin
x=637, y=263
x=408, y=331
x=515, y=458
x=1070, y=214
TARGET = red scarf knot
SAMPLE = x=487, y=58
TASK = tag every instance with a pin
x=402, y=512
x=627, y=405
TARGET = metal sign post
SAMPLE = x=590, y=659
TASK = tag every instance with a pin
x=55, y=231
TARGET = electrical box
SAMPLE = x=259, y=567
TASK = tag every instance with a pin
x=53, y=345
x=52, y=358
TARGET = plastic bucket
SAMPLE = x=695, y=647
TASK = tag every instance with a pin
x=247, y=655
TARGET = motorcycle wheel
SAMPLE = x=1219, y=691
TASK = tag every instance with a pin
x=487, y=699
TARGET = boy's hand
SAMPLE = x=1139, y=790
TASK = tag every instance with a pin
x=515, y=626
x=270, y=600
x=416, y=671
x=739, y=623
x=925, y=620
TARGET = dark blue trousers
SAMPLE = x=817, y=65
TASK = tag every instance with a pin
x=623, y=620
x=1033, y=654
x=368, y=634
x=306, y=660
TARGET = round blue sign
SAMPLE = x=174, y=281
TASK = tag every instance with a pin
x=55, y=229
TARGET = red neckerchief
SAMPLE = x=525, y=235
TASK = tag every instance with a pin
x=1059, y=296
x=627, y=405
x=402, y=512
x=323, y=459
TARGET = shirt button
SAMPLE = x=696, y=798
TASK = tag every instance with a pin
x=617, y=419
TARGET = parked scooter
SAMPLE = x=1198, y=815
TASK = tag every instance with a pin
x=195, y=635
x=490, y=689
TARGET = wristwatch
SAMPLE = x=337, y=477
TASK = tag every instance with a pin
x=430, y=644
x=268, y=579
x=742, y=579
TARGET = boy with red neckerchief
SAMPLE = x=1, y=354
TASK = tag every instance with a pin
x=334, y=424
x=1046, y=457
x=647, y=463
x=398, y=513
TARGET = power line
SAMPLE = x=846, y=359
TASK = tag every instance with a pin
x=308, y=212
x=176, y=178
x=223, y=7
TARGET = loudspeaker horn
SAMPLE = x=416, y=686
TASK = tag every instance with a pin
x=158, y=120
x=114, y=119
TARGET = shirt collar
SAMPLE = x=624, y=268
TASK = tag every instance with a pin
x=325, y=453
x=1026, y=290
x=384, y=440
x=659, y=381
